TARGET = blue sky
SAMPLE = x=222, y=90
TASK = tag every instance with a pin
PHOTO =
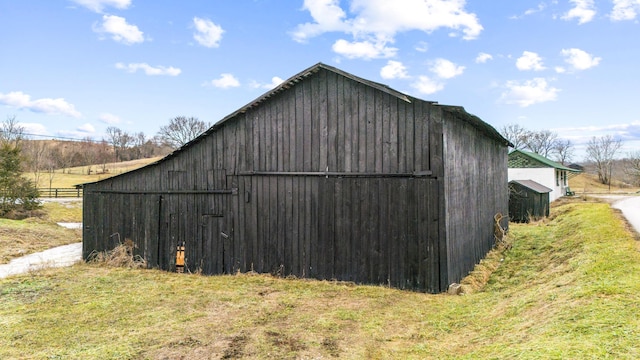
x=72, y=68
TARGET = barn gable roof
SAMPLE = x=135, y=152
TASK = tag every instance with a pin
x=458, y=111
x=292, y=81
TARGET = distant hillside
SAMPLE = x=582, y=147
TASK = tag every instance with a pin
x=588, y=183
x=70, y=177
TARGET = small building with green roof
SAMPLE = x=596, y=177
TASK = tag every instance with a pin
x=525, y=165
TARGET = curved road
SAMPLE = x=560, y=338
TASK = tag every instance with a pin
x=630, y=207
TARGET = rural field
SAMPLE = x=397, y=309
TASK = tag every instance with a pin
x=563, y=288
x=70, y=177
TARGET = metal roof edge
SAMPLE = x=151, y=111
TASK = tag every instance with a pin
x=533, y=185
x=476, y=122
x=545, y=160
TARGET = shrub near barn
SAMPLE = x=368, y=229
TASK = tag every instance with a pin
x=18, y=196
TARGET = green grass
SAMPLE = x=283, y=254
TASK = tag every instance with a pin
x=566, y=289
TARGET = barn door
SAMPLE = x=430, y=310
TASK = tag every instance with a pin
x=215, y=246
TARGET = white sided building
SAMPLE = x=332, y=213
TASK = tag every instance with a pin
x=525, y=165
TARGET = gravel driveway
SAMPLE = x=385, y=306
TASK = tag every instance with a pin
x=65, y=255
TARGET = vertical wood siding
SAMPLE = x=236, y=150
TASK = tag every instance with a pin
x=476, y=189
x=330, y=179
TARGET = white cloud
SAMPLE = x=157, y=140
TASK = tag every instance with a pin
x=363, y=49
x=207, y=33
x=225, y=81
x=530, y=11
x=528, y=93
x=446, y=69
x=149, y=70
x=378, y=21
x=86, y=129
x=560, y=69
x=625, y=10
x=483, y=58
x=426, y=85
x=20, y=100
x=530, y=61
x=33, y=128
x=119, y=30
x=109, y=119
x=99, y=5
x=394, y=70
x=275, y=81
x=583, y=11
x=328, y=16
x=580, y=59
x=422, y=46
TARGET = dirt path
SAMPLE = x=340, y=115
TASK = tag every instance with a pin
x=65, y=255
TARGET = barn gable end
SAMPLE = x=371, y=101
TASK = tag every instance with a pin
x=328, y=176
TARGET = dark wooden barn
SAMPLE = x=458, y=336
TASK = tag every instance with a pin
x=528, y=200
x=327, y=176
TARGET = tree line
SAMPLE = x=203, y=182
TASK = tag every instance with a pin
x=44, y=156
x=19, y=155
x=601, y=151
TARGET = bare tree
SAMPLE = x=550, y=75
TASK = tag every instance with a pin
x=102, y=154
x=11, y=132
x=89, y=153
x=51, y=172
x=602, y=150
x=120, y=141
x=181, y=130
x=36, y=156
x=563, y=149
x=516, y=134
x=632, y=166
x=541, y=142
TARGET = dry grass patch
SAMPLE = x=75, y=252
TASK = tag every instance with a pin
x=121, y=256
x=23, y=237
x=585, y=183
x=66, y=211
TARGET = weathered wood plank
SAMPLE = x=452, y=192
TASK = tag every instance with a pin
x=308, y=129
x=317, y=103
x=339, y=151
x=378, y=117
x=362, y=128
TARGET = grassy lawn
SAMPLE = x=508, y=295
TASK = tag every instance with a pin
x=22, y=237
x=566, y=289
